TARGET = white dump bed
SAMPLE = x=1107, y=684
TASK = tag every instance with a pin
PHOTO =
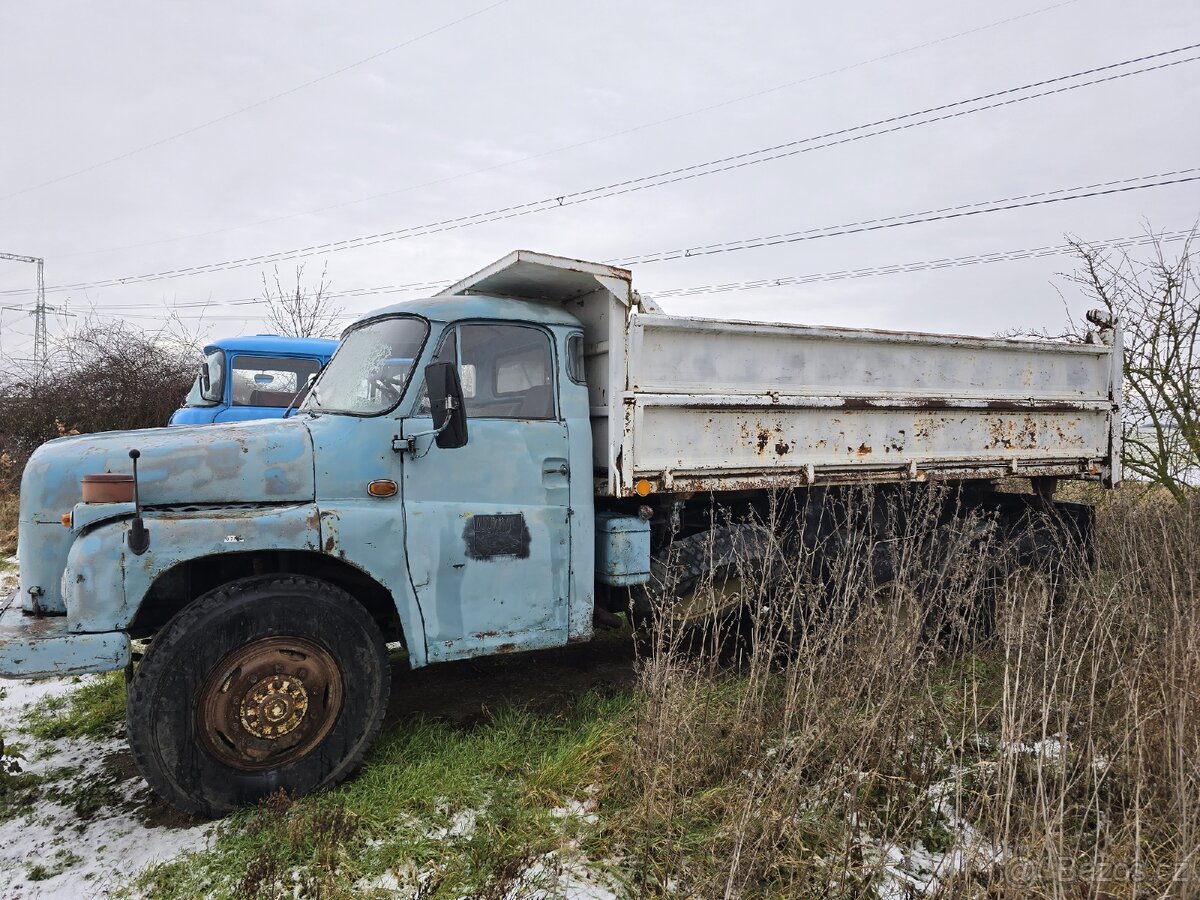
x=704, y=404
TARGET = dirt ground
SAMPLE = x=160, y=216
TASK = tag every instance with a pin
x=542, y=681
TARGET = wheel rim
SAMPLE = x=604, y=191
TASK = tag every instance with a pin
x=269, y=703
x=704, y=599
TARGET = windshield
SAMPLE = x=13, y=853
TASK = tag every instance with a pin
x=209, y=387
x=371, y=369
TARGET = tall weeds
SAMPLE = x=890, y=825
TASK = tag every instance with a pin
x=917, y=706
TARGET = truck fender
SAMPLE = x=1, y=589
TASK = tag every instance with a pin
x=104, y=583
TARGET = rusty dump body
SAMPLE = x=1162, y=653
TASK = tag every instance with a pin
x=687, y=404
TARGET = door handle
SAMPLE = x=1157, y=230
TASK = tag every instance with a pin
x=563, y=469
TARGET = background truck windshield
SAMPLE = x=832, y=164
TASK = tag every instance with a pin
x=269, y=380
x=371, y=369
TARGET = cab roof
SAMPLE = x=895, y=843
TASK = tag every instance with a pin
x=448, y=308
x=275, y=344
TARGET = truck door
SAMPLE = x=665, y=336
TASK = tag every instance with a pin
x=488, y=528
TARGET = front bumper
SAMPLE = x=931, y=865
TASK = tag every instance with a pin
x=40, y=646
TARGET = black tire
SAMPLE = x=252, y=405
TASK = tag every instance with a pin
x=286, y=623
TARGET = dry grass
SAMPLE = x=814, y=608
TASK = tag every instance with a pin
x=1002, y=736
x=972, y=729
x=8, y=523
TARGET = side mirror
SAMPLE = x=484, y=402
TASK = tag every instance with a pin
x=207, y=391
x=446, y=404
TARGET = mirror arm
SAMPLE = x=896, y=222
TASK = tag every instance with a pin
x=400, y=444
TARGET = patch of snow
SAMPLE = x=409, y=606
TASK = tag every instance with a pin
x=562, y=875
x=388, y=881
x=1050, y=749
x=917, y=871
x=16, y=696
x=462, y=825
x=576, y=810
x=97, y=854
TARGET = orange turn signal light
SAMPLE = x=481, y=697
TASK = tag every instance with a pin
x=643, y=488
x=382, y=487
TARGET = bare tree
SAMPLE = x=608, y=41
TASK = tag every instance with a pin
x=1158, y=301
x=300, y=311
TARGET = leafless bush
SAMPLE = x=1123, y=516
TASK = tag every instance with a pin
x=963, y=726
x=102, y=376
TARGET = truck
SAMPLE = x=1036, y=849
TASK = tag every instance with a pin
x=482, y=472
x=257, y=377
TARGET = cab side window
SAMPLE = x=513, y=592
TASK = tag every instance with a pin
x=507, y=371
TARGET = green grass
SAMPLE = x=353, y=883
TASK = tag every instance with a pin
x=62, y=860
x=93, y=710
x=423, y=777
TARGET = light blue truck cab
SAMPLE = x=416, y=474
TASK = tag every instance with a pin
x=254, y=377
x=491, y=470
x=267, y=564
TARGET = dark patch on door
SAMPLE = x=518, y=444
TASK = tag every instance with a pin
x=493, y=537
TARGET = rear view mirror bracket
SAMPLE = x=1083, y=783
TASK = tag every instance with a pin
x=448, y=407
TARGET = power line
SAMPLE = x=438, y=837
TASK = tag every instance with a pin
x=251, y=106
x=698, y=170
x=605, y=137
x=755, y=284
x=248, y=301
x=924, y=265
x=1023, y=201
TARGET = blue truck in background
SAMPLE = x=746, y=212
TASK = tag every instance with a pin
x=256, y=377
x=496, y=469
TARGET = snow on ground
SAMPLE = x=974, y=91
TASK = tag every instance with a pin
x=51, y=850
x=561, y=874
x=100, y=825
x=566, y=872
x=917, y=871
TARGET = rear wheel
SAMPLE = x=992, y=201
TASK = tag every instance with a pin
x=266, y=683
x=706, y=580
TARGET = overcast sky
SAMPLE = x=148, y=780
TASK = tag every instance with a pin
x=475, y=116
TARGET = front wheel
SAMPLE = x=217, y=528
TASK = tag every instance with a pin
x=268, y=682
